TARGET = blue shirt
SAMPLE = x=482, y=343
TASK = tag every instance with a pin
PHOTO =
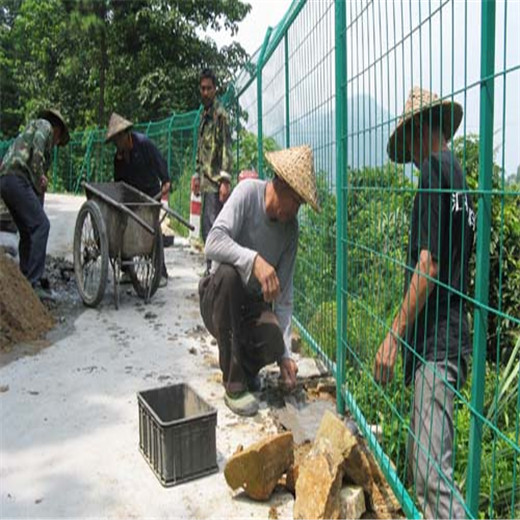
x=145, y=168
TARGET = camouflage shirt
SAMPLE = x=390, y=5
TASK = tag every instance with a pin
x=30, y=153
x=214, y=147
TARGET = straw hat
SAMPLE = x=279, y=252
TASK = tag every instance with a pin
x=296, y=167
x=52, y=115
x=116, y=125
x=421, y=101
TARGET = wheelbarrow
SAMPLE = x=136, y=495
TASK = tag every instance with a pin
x=121, y=225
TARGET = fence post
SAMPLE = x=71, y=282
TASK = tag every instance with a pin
x=259, y=67
x=487, y=70
x=170, y=126
x=340, y=51
x=55, y=166
x=287, y=114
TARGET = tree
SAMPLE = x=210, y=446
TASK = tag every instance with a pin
x=89, y=57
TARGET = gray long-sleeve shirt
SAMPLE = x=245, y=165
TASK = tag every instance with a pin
x=241, y=231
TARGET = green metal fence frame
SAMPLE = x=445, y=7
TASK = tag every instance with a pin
x=279, y=36
x=344, y=398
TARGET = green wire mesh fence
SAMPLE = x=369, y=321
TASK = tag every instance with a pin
x=336, y=75
x=88, y=158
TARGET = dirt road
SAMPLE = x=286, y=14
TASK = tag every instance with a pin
x=69, y=424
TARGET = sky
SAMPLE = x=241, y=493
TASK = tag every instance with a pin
x=448, y=67
x=252, y=29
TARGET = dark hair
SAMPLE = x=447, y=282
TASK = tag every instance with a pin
x=208, y=73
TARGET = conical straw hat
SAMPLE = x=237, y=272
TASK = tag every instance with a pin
x=53, y=114
x=421, y=101
x=116, y=125
x=296, y=167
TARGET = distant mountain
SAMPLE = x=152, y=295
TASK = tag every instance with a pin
x=369, y=126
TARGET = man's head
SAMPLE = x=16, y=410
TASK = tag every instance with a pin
x=207, y=87
x=294, y=183
x=424, y=135
x=60, y=131
x=119, y=132
x=282, y=202
x=427, y=123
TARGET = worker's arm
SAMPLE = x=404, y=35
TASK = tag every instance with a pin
x=41, y=153
x=430, y=221
x=418, y=291
x=221, y=245
x=158, y=166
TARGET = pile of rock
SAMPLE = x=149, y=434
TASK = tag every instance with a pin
x=332, y=477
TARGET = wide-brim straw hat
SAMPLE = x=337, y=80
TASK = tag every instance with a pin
x=116, y=125
x=296, y=167
x=51, y=114
x=419, y=102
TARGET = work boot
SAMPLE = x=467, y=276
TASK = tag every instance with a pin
x=254, y=383
x=242, y=403
x=124, y=278
x=163, y=282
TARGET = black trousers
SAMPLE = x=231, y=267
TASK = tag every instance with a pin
x=32, y=222
x=247, y=332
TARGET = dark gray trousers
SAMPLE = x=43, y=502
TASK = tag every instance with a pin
x=431, y=454
x=247, y=332
x=211, y=207
x=32, y=222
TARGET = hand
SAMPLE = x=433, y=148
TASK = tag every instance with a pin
x=266, y=275
x=224, y=191
x=385, y=360
x=195, y=185
x=43, y=183
x=288, y=371
x=165, y=189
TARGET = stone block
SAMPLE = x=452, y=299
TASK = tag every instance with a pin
x=258, y=468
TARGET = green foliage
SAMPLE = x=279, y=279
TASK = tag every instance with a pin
x=499, y=438
x=379, y=204
x=247, y=145
x=89, y=57
x=504, y=273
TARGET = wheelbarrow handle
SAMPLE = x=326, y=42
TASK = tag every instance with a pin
x=178, y=217
x=174, y=214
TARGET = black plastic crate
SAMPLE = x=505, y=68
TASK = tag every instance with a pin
x=177, y=433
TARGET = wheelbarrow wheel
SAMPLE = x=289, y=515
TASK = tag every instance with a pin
x=145, y=272
x=90, y=254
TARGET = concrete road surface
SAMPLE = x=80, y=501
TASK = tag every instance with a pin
x=69, y=424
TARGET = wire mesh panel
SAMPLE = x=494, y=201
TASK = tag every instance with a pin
x=407, y=283
x=411, y=271
x=311, y=121
x=88, y=158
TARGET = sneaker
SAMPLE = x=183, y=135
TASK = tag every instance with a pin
x=163, y=282
x=243, y=403
x=44, y=295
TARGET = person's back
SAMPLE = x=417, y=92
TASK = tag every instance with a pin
x=30, y=153
x=245, y=221
x=143, y=168
x=23, y=182
x=441, y=328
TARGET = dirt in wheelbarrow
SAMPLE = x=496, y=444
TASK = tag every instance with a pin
x=27, y=324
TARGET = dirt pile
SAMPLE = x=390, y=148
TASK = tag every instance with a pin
x=22, y=316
